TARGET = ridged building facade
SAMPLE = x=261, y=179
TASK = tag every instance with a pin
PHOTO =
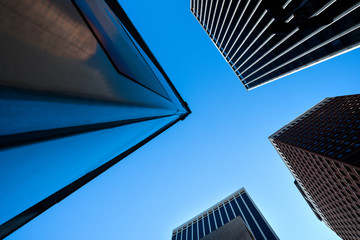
x=264, y=40
x=239, y=210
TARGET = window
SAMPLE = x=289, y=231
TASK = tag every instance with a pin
x=212, y=221
x=223, y=215
x=201, y=228
x=195, y=231
x=217, y=218
x=206, y=226
x=229, y=211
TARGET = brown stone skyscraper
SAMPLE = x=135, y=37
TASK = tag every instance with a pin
x=322, y=150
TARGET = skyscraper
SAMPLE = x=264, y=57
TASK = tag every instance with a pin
x=79, y=91
x=269, y=39
x=321, y=148
x=235, y=217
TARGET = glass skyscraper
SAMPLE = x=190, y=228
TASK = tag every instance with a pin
x=79, y=91
x=230, y=214
x=265, y=40
x=321, y=148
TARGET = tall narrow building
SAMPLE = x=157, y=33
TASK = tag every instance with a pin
x=79, y=91
x=235, y=217
x=321, y=148
x=264, y=40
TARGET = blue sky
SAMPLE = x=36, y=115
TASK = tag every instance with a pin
x=222, y=146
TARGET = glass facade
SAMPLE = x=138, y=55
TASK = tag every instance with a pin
x=250, y=36
x=79, y=91
x=236, y=205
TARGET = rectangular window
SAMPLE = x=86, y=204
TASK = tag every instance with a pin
x=195, y=231
x=201, y=228
x=189, y=233
x=250, y=220
x=217, y=218
x=223, y=215
x=235, y=207
x=206, y=226
x=183, y=234
x=212, y=221
x=178, y=236
x=229, y=211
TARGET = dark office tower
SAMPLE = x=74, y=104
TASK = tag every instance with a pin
x=236, y=217
x=321, y=148
x=79, y=91
x=263, y=40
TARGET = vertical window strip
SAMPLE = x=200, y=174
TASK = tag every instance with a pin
x=208, y=18
x=212, y=21
x=222, y=25
x=252, y=43
x=231, y=20
x=184, y=233
x=229, y=211
x=303, y=40
x=178, y=235
x=201, y=7
x=218, y=219
x=231, y=207
x=308, y=52
x=221, y=11
x=212, y=222
x=201, y=227
x=195, y=231
x=247, y=36
x=206, y=225
x=223, y=214
x=270, y=50
x=197, y=9
x=237, y=199
x=251, y=214
x=205, y=11
x=243, y=27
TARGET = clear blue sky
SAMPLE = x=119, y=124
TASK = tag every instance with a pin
x=222, y=146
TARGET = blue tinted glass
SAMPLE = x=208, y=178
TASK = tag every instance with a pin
x=261, y=222
x=235, y=207
x=178, y=236
x=21, y=115
x=217, y=218
x=189, y=233
x=118, y=44
x=250, y=221
x=183, y=234
x=212, y=221
x=48, y=169
x=223, y=215
x=229, y=211
x=201, y=228
x=195, y=231
x=173, y=237
x=206, y=225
